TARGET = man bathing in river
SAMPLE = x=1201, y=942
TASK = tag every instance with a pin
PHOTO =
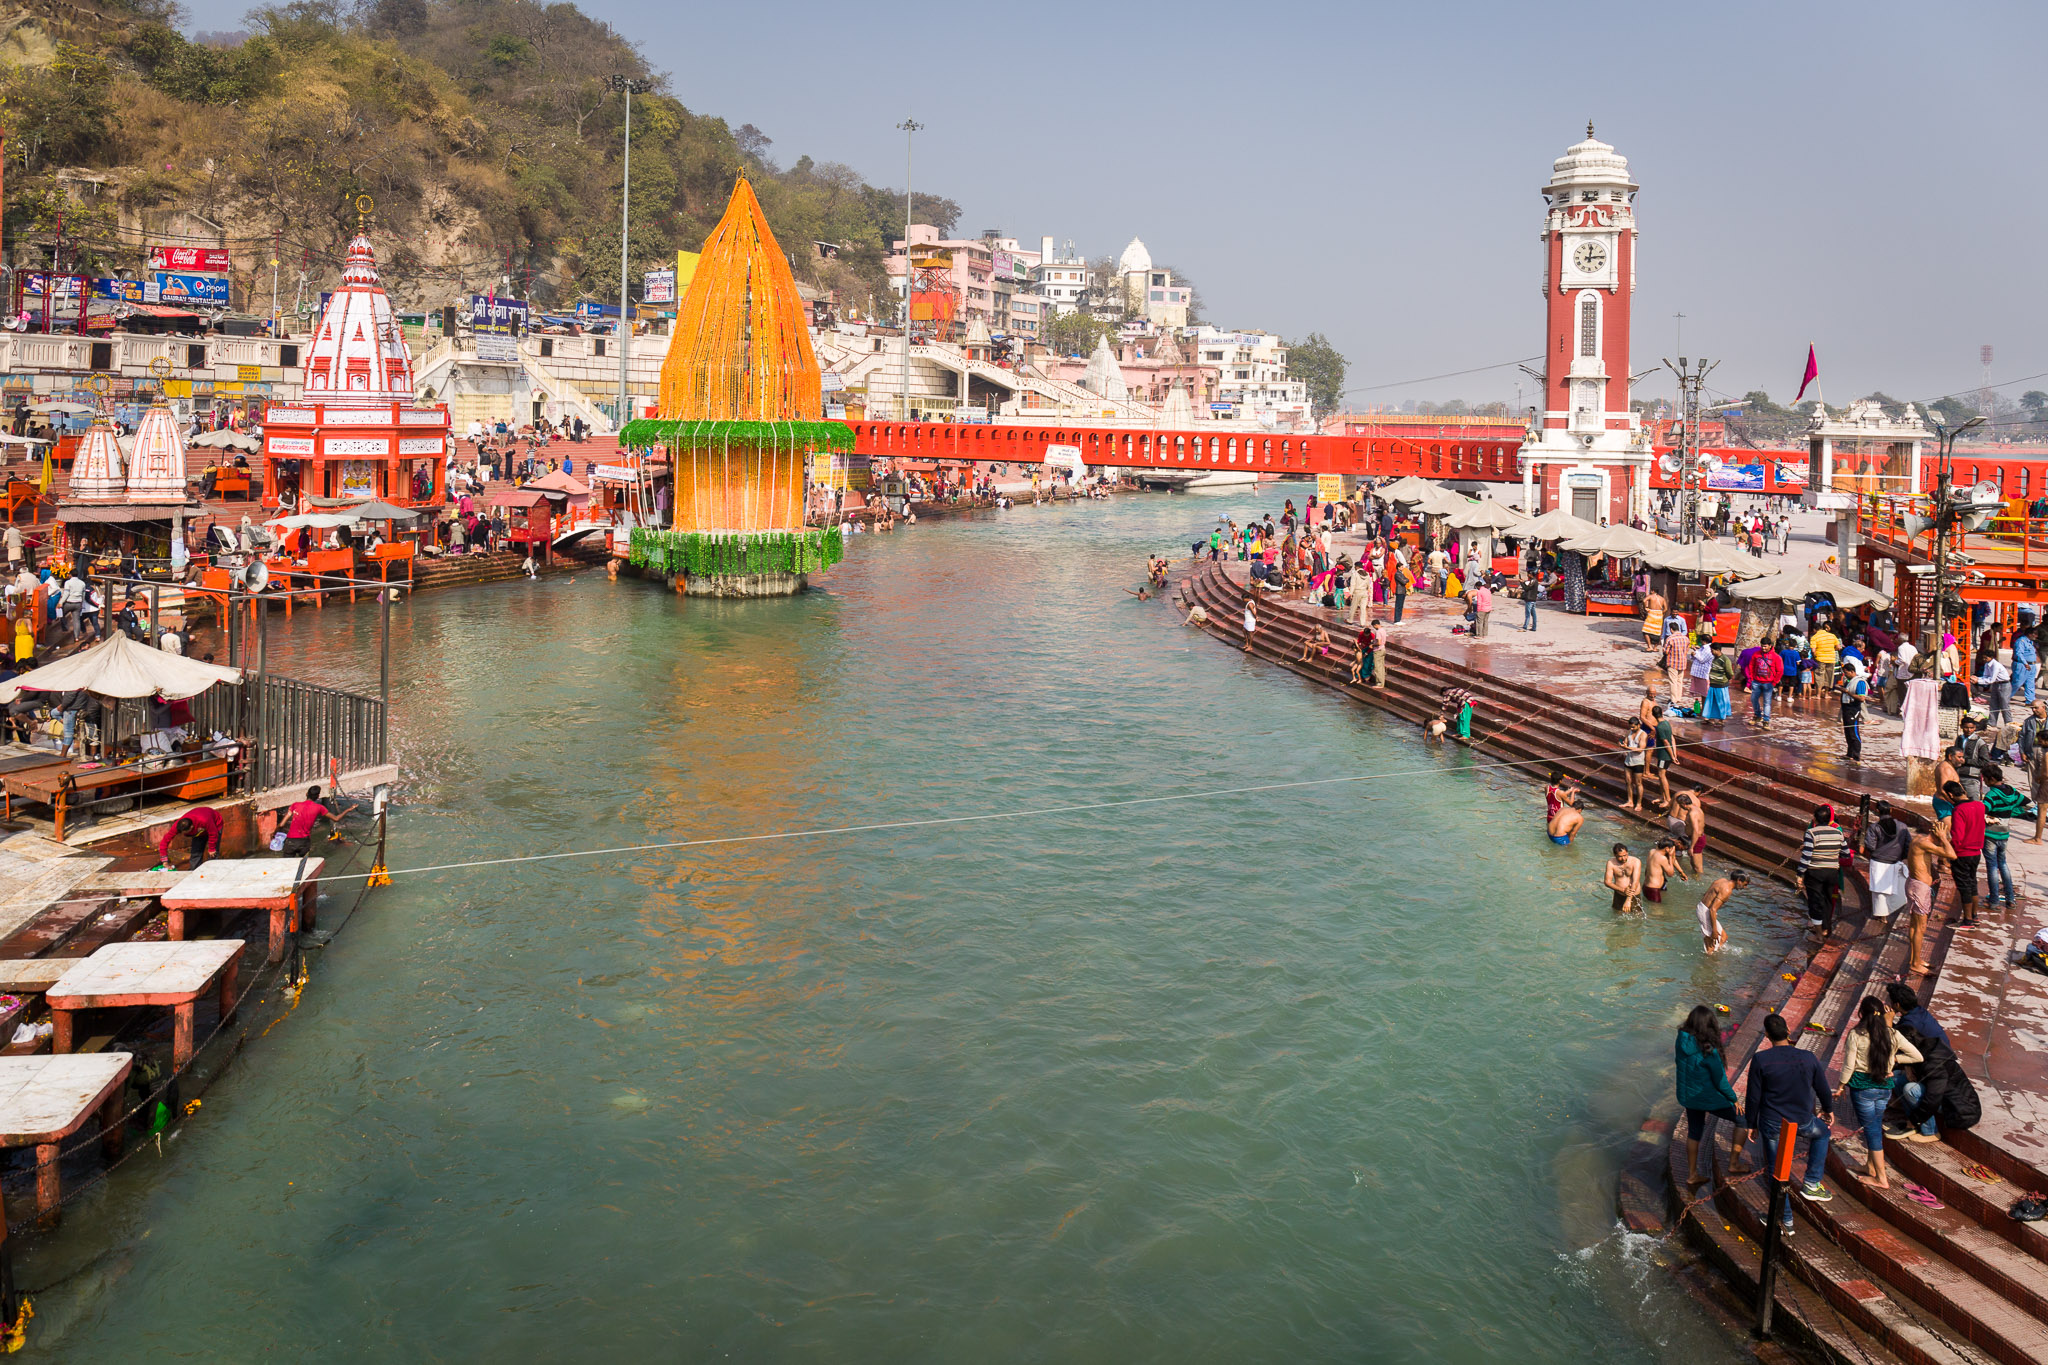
x=1318, y=642
x=1690, y=816
x=1666, y=862
x=1562, y=815
x=1624, y=877
x=1711, y=931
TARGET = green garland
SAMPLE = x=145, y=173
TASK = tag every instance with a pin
x=650, y=431
x=702, y=553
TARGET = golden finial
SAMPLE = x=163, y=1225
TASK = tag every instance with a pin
x=364, y=203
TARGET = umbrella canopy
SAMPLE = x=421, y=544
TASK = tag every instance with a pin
x=1623, y=542
x=1556, y=524
x=120, y=667
x=60, y=406
x=1442, y=502
x=1486, y=515
x=558, y=482
x=226, y=438
x=381, y=511
x=1710, y=557
x=1796, y=585
x=319, y=521
x=1409, y=489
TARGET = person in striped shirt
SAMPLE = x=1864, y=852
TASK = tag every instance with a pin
x=1820, y=869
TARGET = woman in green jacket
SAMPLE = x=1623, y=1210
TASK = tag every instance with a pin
x=1704, y=1090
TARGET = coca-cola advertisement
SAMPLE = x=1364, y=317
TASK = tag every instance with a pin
x=203, y=260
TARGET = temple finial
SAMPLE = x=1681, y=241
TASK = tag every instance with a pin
x=1589, y=130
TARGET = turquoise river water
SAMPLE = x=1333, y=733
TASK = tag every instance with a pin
x=1338, y=1072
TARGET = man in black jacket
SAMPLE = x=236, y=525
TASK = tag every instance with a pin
x=1788, y=1084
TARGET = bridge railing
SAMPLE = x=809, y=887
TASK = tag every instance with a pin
x=1274, y=453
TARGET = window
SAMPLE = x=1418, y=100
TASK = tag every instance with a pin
x=597, y=346
x=288, y=356
x=1589, y=325
x=103, y=355
x=547, y=347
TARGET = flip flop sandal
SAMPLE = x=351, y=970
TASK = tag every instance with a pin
x=1789, y=976
x=2031, y=1209
x=1977, y=1170
x=1920, y=1194
x=1818, y=1028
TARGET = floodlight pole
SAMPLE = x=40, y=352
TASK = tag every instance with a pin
x=910, y=128
x=1944, y=521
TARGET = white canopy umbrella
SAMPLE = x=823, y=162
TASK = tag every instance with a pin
x=1709, y=557
x=57, y=405
x=1442, y=502
x=120, y=667
x=320, y=521
x=1556, y=524
x=1486, y=515
x=1796, y=585
x=1623, y=542
x=1409, y=488
x=226, y=438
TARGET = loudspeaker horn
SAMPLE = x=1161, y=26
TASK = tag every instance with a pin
x=1671, y=464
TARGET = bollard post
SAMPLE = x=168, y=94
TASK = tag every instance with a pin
x=1767, y=1273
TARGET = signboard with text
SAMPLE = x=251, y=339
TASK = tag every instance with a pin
x=173, y=287
x=497, y=317
x=658, y=286
x=195, y=260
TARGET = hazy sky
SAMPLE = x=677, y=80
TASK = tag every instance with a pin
x=1865, y=176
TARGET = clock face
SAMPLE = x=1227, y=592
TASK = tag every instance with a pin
x=1590, y=257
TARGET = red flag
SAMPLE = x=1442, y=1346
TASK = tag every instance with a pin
x=1812, y=373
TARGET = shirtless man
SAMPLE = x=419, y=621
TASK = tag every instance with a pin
x=1691, y=818
x=1711, y=933
x=1646, y=709
x=1922, y=854
x=1565, y=815
x=1624, y=877
x=1653, y=622
x=1666, y=862
x=1318, y=641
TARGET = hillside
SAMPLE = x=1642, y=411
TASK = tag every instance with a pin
x=485, y=130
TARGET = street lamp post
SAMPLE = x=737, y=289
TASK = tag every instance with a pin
x=1945, y=517
x=910, y=128
x=627, y=86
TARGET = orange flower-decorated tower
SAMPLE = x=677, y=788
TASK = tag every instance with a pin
x=740, y=415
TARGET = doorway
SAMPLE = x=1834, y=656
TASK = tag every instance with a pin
x=1586, y=504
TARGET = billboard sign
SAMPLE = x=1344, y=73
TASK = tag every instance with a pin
x=125, y=291
x=176, y=287
x=658, y=286
x=490, y=316
x=1735, y=478
x=190, y=260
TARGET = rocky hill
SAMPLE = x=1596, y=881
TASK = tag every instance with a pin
x=486, y=132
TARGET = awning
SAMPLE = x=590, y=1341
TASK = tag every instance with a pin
x=158, y=310
x=80, y=513
x=121, y=667
x=514, y=497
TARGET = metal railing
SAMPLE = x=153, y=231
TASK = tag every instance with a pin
x=296, y=732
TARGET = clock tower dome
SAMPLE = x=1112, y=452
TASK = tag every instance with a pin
x=1584, y=446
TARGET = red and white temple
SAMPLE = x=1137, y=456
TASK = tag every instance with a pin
x=356, y=432
x=140, y=490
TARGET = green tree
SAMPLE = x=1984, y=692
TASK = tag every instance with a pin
x=1952, y=411
x=2035, y=404
x=1317, y=363
x=1075, y=333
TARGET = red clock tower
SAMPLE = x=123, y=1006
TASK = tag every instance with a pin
x=1584, y=450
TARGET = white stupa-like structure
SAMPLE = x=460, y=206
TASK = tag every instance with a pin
x=96, y=472
x=1104, y=376
x=356, y=432
x=156, y=461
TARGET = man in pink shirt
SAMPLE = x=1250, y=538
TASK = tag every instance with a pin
x=1966, y=837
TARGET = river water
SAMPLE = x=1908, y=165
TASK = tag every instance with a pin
x=1336, y=1072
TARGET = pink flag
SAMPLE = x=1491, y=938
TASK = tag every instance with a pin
x=1812, y=373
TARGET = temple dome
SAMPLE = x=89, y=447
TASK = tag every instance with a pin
x=1135, y=259
x=1590, y=163
x=358, y=354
